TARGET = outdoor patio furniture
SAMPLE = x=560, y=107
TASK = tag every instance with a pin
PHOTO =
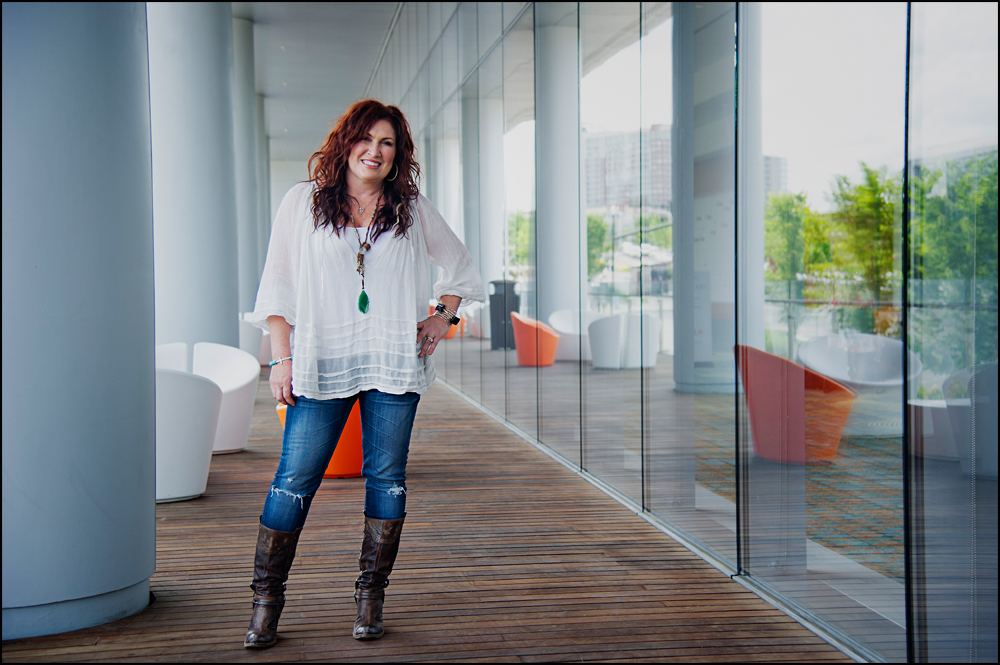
x=572, y=325
x=347, y=458
x=625, y=341
x=797, y=416
x=931, y=427
x=958, y=391
x=862, y=362
x=605, y=336
x=187, y=414
x=642, y=341
x=535, y=342
x=236, y=372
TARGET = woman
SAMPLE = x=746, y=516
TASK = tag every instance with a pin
x=348, y=273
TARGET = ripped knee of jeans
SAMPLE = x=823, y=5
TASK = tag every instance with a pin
x=396, y=490
x=301, y=498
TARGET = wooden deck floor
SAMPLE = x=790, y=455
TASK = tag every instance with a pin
x=505, y=556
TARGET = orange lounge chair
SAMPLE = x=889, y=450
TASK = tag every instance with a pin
x=796, y=415
x=346, y=460
x=535, y=342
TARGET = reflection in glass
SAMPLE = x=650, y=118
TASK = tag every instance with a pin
x=822, y=371
x=952, y=330
x=491, y=230
x=558, y=247
x=519, y=228
x=475, y=314
x=611, y=405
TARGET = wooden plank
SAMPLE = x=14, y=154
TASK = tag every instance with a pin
x=506, y=556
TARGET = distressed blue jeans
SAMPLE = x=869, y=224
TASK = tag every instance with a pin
x=312, y=429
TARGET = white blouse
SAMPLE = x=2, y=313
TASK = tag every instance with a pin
x=310, y=278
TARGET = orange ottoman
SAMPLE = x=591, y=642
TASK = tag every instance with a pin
x=346, y=460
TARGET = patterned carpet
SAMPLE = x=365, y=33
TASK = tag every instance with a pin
x=854, y=504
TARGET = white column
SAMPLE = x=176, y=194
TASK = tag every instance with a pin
x=704, y=199
x=245, y=142
x=263, y=187
x=557, y=170
x=194, y=212
x=78, y=405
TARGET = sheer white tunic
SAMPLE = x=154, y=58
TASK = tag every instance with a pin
x=310, y=278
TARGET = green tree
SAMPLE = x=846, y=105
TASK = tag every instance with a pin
x=866, y=230
x=784, y=236
x=597, y=244
x=953, y=236
x=662, y=236
x=520, y=228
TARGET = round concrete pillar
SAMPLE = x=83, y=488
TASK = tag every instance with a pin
x=79, y=530
x=194, y=184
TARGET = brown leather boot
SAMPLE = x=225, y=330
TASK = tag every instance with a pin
x=275, y=551
x=378, y=553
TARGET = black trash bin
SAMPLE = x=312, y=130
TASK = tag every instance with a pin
x=503, y=301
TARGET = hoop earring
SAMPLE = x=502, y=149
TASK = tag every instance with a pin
x=394, y=175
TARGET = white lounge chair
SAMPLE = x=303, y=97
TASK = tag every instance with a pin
x=572, y=327
x=236, y=372
x=172, y=356
x=187, y=416
x=860, y=361
x=625, y=341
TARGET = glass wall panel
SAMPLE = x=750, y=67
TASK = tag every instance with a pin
x=449, y=166
x=449, y=58
x=492, y=231
x=435, y=71
x=510, y=10
x=490, y=25
x=519, y=208
x=822, y=368
x=688, y=433
x=952, y=331
x=609, y=179
x=468, y=39
x=423, y=33
x=559, y=267
x=475, y=314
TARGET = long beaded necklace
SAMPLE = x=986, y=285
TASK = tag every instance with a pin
x=363, y=248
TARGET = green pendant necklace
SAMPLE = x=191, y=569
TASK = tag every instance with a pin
x=363, y=248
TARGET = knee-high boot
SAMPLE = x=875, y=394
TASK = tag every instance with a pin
x=275, y=552
x=378, y=554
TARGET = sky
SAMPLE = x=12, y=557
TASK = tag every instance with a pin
x=833, y=85
x=833, y=89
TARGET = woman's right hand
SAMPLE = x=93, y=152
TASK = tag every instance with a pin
x=281, y=383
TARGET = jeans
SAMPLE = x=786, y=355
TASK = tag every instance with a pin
x=312, y=429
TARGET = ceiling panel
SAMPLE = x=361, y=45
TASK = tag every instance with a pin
x=312, y=61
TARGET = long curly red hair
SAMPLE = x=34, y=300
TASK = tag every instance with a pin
x=328, y=170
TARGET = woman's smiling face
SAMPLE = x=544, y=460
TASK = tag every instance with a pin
x=372, y=157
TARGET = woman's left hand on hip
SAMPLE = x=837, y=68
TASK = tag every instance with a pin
x=430, y=331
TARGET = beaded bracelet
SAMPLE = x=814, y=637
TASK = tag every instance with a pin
x=278, y=361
